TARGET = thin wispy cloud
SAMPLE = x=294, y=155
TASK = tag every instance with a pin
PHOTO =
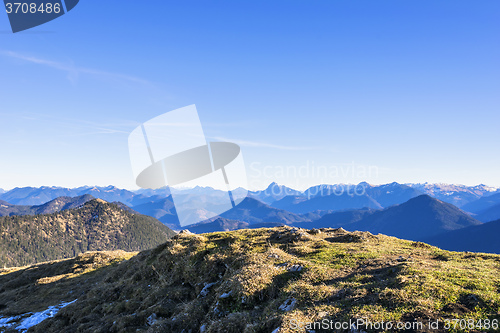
x=81, y=127
x=256, y=144
x=74, y=71
x=245, y=123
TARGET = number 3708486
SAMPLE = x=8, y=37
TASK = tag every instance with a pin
x=32, y=8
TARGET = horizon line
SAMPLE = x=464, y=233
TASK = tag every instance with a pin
x=254, y=190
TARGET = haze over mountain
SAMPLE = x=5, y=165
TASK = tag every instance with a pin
x=419, y=218
x=249, y=211
x=56, y=205
x=96, y=226
x=40, y=195
x=481, y=205
x=390, y=194
x=490, y=214
x=344, y=201
x=480, y=238
x=292, y=206
x=385, y=195
x=346, y=197
x=273, y=193
x=162, y=209
x=393, y=209
x=458, y=195
x=254, y=211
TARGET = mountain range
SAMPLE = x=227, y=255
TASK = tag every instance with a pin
x=56, y=205
x=273, y=193
x=480, y=238
x=336, y=202
x=469, y=198
x=457, y=195
x=254, y=211
x=401, y=210
x=489, y=214
x=482, y=204
x=160, y=208
x=40, y=195
x=418, y=218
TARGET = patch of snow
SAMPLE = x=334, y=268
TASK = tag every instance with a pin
x=204, y=292
x=288, y=305
x=226, y=295
x=32, y=319
x=295, y=268
x=152, y=319
x=9, y=322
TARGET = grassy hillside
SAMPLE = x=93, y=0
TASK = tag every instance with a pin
x=266, y=280
x=96, y=226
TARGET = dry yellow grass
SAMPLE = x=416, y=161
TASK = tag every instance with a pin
x=263, y=279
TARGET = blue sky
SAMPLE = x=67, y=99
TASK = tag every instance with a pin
x=382, y=91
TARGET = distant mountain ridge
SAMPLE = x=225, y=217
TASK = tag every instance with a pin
x=310, y=204
x=162, y=209
x=394, y=209
x=53, y=206
x=391, y=194
x=386, y=194
x=490, y=214
x=39, y=195
x=338, y=219
x=458, y=195
x=347, y=197
x=344, y=201
x=253, y=211
x=483, y=203
x=419, y=218
x=273, y=193
x=480, y=238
